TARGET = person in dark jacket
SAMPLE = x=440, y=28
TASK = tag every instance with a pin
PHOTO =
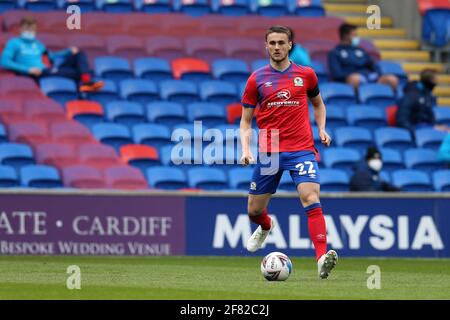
x=367, y=174
x=350, y=63
x=415, y=108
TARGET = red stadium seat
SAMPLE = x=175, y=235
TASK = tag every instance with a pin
x=391, y=114
x=129, y=47
x=98, y=155
x=253, y=26
x=53, y=41
x=30, y=132
x=18, y=87
x=139, y=24
x=183, y=66
x=11, y=110
x=234, y=112
x=131, y=152
x=44, y=110
x=205, y=48
x=94, y=46
x=56, y=154
x=165, y=47
x=83, y=107
x=81, y=176
x=246, y=49
x=70, y=132
x=219, y=26
x=125, y=177
x=180, y=25
x=425, y=5
x=101, y=23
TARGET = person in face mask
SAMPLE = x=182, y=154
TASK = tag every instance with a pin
x=415, y=108
x=367, y=174
x=350, y=63
x=26, y=55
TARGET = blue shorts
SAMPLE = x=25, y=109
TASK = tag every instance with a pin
x=302, y=166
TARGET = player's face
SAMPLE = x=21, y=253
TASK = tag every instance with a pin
x=278, y=46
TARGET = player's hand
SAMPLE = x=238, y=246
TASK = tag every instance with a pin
x=247, y=159
x=324, y=138
x=35, y=72
x=74, y=50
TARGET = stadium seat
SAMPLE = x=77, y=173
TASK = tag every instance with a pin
x=116, y=6
x=193, y=130
x=246, y=49
x=334, y=180
x=70, y=132
x=8, y=177
x=234, y=112
x=392, y=160
x=395, y=68
x=219, y=92
x=273, y=8
x=43, y=110
x=166, y=113
x=7, y=5
x=171, y=156
x=311, y=8
x=335, y=117
x=3, y=135
x=232, y=70
x=366, y=116
x=125, y=112
x=191, y=69
x=180, y=91
x=441, y=180
x=321, y=71
x=429, y=138
x=205, y=48
x=421, y=159
x=140, y=156
x=40, y=176
x=59, y=88
x=93, y=45
x=11, y=110
x=168, y=178
x=442, y=115
x=82, y=176
x=395, y=138
x=31, y=132
x=258, y=63
x=16, y=155
x=210, y=114
x=112, y=134
x=125, y=46
x=138, y=90
x=354, y=137
x=56, y=154
x=181, y=25
x=411, y=180
x=84, y=111
x=18, y=87
x=166, y=47
x=234, y=8
x=193, y=8
x=108, y=93
x=391, y=115
x=240, y=178
x=85, y=5
x=435, y=26
x=98, y=155
x=341, y=158
x=125, y=177
x=113, y=68
x=207, y=178
x=376, y=94
x=336, y=93
x=38, y=5
x=154, y=7
x=151, y=134
x=154, y=69
x=286, y=183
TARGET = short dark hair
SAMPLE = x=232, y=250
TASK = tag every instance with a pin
x=427, y=74
x=280, y=29
x=371, y=152
x=28, y=21
x=345, y=29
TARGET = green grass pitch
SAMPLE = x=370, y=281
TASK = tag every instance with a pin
x=218, y=278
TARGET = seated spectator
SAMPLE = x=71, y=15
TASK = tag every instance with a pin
x=444, y=151
x=350, y=63
x=415, y=108
x=367, y=174
x=298, y=54
x=25, y=55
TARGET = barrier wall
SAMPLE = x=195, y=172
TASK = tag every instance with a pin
x=148, y=223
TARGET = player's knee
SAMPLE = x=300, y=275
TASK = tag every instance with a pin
x=353, y=80
x=309, y=198
x=254, y=211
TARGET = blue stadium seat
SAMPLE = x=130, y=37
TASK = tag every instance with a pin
x=192, y=130
x=334, y=180
x=207, y=178
x=7, y=5
x=392, y=160
x=341, y=158
x=210, y=114
x=166, y=113
x=376, y=94
x=273, y=8
x=233, y=70
x=354, y=137
x=442, y=115
x=429, y=138
x=8, y=177
x=59, y=88
x=84, y=5
x=156, y=6
x=366, y=116
x=155, y=69
x=137, y=90
x=317, y=142
x=240, y=178
x=311, y=8
x=286, y=183
x=193, y=8
x=441, y=180
x=335, y=117
x=16, y=155
x=234, y=8
x=395, y=68
x=3, y=135
x=108, y=93
x=113, y=134
x=395, y=138
x=321, y=71
x=180, y=91
x=168, y=178
x=116, y=6
x=411, y=180
x=40, y=176
x=172, y=156
x=38, y=5
x=436, y=27
x=421, y=159
x=259, y=63
x=338, y=93
x=219, y=92
x=113, y=68
x=125, y=112
x=151, y=134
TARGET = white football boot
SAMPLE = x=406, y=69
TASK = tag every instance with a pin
x=326, y=263
x=257, y=239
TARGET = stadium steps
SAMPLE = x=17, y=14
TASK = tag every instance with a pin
x=361, y=21
x=442, y=91
x=442, y=101
x=345, y=1
x=417, y=67
x=396, y=44
x=382, y=33
x=336, y=8
x=405, y=55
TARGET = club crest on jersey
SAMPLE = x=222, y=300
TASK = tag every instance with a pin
x=253, y=186
x=268, y=84
x=284, y=95
x=298, y=82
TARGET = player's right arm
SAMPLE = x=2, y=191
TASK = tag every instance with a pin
x=249, y=102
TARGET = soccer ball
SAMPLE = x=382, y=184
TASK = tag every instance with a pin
x=276, y=266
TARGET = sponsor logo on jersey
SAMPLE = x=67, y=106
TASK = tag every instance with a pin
x=268, y=84
x=284, y=95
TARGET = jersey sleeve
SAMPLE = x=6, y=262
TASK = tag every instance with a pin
x=250, y=96
x=312, y=88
